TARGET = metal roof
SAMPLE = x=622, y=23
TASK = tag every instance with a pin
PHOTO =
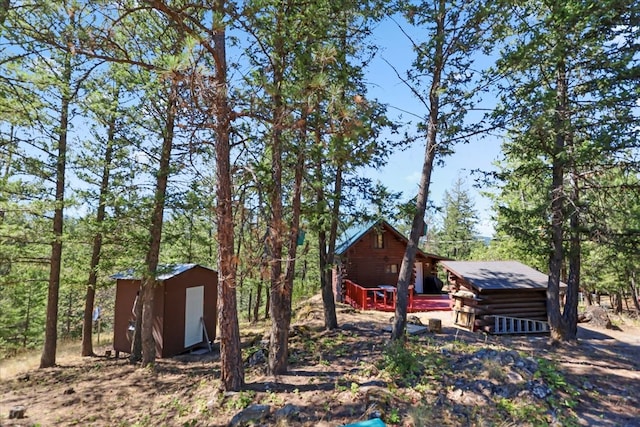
x=351, y=236
x=166, y=271
x=355, y=232
x=498, y=275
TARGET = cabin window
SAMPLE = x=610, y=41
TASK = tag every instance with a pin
x=392, y=268
x=378, y=240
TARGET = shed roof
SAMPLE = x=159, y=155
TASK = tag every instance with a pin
x=498, y=275
x=165, y=271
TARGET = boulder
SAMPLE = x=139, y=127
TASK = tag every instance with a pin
x=251, y=415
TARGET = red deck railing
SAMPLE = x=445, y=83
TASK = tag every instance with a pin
x=383, y=298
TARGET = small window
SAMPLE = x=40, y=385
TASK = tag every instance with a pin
x=378, y=241
x=392, y=268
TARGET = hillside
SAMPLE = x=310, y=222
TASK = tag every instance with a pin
x=338, y=377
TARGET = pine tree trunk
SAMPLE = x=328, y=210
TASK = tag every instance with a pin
x=281, y=318
x=634, y=290
x=558, y=327
x=408, y=260
x=570, y=313
x=155, y=231
x=326, y=246
x=280, y=298
x=48, y=358
x=256, y=307
x=231, y=368
x=87, y=326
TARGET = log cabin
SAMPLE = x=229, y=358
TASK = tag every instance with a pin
x=368, y=259
x=499, y=297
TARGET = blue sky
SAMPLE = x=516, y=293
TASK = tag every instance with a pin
x=403, y=170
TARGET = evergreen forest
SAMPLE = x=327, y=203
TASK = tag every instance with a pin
x=235, y=134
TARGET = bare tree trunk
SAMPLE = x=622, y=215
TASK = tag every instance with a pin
x=231, y=368
x=48, y=358
x=155, y=232
x=256, y=307
x=558, y=326
x=281, y=318
x=634, y=290
x=267, y=304
x=408, y=260
x=280, y=298
x=87, y=326
x=327, y=245
x=617, y=303
x=570, y=312
x=588, y=297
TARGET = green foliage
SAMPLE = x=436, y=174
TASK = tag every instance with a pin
x=393, y=417
x=522, y=412
x=401, y=362
x=240, y=400
x=457, y=237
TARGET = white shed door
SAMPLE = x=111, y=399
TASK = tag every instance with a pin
x=194, y=309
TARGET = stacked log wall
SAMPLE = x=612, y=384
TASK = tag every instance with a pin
x=475, y=310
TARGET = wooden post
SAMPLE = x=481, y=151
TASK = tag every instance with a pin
x=435, y=325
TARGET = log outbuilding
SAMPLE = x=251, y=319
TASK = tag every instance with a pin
x=497, y=296
x=185, y=309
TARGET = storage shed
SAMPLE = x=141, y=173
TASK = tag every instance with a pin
x=370, y=255
x=185, y=310
x=498, y=296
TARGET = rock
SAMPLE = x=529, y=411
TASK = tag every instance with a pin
x=467, y=398
x=597, y=316
x=250, y=415
x=539, y=389
x=299, y=330
x=378, y=396
x=529, y=365
x=414, y=320
x=483, y=386
x=514, y=377
x=586, y=385
x=259, y=357
x=287, y=412
x=17, y=412
x=503, y=391
x=510, y=357
x=348, y=327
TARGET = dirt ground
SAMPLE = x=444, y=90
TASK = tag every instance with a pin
x=334, y=379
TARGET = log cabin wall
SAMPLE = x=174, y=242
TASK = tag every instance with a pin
x=508, y=289
x=370, y=265
x=371, y=255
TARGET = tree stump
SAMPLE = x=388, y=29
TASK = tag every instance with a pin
x=597, y=316
x=17, y=412
x=435, y=325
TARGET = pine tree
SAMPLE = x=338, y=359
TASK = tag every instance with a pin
x=566, y=79
x=457, y=237
x=456, y=30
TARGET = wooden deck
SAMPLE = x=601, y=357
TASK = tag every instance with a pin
x=383, y=298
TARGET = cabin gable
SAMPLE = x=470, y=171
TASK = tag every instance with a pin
x=372, y=255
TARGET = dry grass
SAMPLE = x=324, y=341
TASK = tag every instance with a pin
x=30, y=360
